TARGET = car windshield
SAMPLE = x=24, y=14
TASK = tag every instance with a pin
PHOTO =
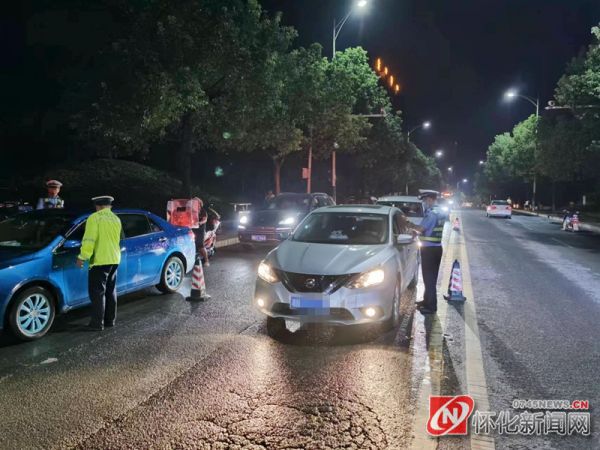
x=343, y=228
x=33, y=231
x=499, y=202
x=296, y=202
x=410, y=209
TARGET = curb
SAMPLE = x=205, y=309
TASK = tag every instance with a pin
x=227, y=242
x=558, y=219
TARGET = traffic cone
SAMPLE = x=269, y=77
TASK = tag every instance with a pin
x=456, y=225
x=455, y=285
x=198, y=292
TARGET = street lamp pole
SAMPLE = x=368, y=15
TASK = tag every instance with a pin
x=336, y=32
x=424, y=125
x=536, y=103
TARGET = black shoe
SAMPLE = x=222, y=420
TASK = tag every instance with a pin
x=91, y=327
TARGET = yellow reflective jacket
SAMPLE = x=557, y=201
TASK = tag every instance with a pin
x=101, y=243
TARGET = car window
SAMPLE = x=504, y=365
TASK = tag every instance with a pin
x=410, y=209
x=499, y=202
x=399, y=224
x=154, y=227
x=77, y=233
x=343, y=228
x=135, y=225
x=33, y=231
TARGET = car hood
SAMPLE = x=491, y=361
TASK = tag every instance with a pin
x=327, y=259
x=272, y=217
x=13, y=257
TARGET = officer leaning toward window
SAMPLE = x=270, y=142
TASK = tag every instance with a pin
x=52, y=200
x=101, y=246
x=431, y=230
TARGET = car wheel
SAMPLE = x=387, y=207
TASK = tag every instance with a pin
x=32, y=313
x=172, y=275
x=394, y=319
x=275, y=326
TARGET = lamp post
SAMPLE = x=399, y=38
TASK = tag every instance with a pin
x=439, y=154
x=511, y=95
x=425, y=125
x=464, y=181
x=337, y=27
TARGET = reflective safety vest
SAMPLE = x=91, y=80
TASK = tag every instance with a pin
x=50, y=203
x=436, y=234
x=101, y=240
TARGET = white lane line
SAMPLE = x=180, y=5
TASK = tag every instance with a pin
x=474, y=371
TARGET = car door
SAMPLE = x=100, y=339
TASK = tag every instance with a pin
x=75, y=280
x=146, y=246
x=408, y=253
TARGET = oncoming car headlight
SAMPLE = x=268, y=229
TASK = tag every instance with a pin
x=367, y=279
x=265, y=272
x=288, y=221
x=244, y=220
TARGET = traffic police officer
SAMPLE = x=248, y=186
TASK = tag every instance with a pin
x=52, y=200
x=101, y=246
x=431, y=229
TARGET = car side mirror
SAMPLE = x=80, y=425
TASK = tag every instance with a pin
x=71, y=244
x=404, y=239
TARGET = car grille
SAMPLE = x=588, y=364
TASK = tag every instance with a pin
x=297, y=282
x=333, y=313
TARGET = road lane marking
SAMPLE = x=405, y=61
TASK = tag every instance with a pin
x=561, y=242
x=455, y=248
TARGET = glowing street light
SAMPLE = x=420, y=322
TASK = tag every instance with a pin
x=362, y=3
x=439, y=153
x=425, y=125
x=450, y=169
x=481, y=162
x=464, y=180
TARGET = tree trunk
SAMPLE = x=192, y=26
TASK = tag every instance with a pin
x=184, y=157
x=277, y=162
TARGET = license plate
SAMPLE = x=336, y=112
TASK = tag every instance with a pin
x=259, y=237
x=312, y=303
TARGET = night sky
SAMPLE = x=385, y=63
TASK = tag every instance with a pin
x=456, y=58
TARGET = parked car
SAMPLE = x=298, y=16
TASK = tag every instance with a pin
x=39, y=277
x=499, y=208
x=342, y=265
x=411, y=206
x=276, y=222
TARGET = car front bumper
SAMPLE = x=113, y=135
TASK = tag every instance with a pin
x=344, y=307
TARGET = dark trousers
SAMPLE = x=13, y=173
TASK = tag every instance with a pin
x=102, y=287
x=430, y=265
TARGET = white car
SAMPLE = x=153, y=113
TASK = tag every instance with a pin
x=342, y=265
x=499, y=208
x=411, y=206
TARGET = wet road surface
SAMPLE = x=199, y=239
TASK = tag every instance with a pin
x=205, y=375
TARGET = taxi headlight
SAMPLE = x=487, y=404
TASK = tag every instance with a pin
x=367, y=279
x=265, y=272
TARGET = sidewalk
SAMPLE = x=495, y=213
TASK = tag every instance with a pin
x=593, y=227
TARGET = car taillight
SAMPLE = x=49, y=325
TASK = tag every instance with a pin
x=493, y=207
x=509, y=208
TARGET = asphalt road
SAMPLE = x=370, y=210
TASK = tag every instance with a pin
x=205, y=375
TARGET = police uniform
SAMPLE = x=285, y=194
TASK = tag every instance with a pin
x=51, y=202
x=101, y=246
x=431, y=252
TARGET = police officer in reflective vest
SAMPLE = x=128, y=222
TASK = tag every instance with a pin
x=52, y=200
x=431, y=229
x=101, y=246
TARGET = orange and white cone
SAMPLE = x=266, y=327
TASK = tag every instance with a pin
x=456, y=225
x=455, y=288
x=198, y=292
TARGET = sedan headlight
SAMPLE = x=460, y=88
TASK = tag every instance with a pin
x=445, y=208
x=368, y=279
x=265, y=272
x=244, y=220
x=288, y=221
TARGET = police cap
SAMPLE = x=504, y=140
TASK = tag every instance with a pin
x=103, y=200
x=53, y=184
x=427, y=193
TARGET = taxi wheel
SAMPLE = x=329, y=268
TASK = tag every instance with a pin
x=32, y=313
x=172, y=275
x=275, y=326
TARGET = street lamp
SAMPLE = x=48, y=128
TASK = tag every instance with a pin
x=360, y=4
x=481, y=162
x=464, y=181
x=425, y=125
x=439, y=153
x=450, y=169
x=510, y=95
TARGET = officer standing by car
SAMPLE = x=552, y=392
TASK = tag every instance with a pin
x=101, y=246
x=52, y=200
x=431, y=230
